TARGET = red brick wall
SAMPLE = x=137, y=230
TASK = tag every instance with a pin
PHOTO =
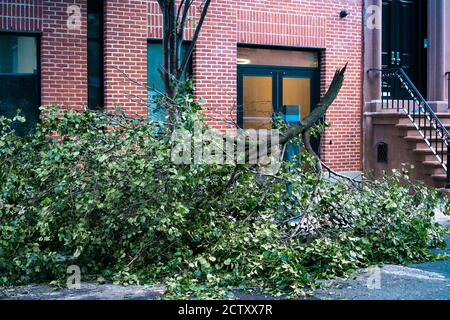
x=128, y=23
x=126, y=55
x=215, y=68
x=63, y=50
x=63, y=56
x=290, y=23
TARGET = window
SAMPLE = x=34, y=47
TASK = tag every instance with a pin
x=155, y=81
x=19, y=79
x=275, y=57
x=18, y=55
x=276, y=83
x=265, y=90
x=382, y=152
x=95, y=55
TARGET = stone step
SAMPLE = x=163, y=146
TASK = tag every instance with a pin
x=411, y=126
x=439, y=171
x=426, y=151
x=432, y=164
x=429, y=157
x=429, y=172
x=410, y=133
x=424, y=145
x=406, y=121
x=439, y=177
x=420, y=139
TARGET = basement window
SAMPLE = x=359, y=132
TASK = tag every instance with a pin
x=382, y=152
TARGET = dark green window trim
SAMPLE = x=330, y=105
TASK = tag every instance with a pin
x=22, y=90
x=96, y=88
x=155, y=83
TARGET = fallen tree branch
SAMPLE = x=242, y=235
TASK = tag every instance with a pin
x=307, y=142
x=334, y=173
x=321, y=109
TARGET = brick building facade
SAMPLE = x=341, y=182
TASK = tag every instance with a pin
x=128, y=25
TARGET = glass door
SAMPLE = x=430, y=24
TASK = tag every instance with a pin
x=256, y=98
x=299, y=95
x=264, y=92
x=299, y=89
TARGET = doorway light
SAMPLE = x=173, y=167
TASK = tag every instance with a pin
x=243, y=61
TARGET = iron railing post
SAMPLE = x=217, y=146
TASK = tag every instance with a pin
x=447, y=184
x=448, y=95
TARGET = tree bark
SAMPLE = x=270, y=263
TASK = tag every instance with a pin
x=174, y=26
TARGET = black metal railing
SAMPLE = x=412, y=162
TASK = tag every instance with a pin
x=447, y=185
x=448, y=95
x=400, y=94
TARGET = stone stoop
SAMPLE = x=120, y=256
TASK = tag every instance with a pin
x=431, y=167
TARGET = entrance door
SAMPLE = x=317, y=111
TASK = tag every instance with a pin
x=300, y=88
x=405, y=38
x=257, y=91
x=19, y=79
x=264, y=92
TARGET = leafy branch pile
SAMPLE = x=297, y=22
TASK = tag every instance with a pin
x=106, y=196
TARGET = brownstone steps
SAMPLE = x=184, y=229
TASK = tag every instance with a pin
x=439, y=178
x=419, y=139
x=430, y=166
x=425, y=151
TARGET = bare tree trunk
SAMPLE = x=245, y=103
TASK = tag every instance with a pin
x=175, y=19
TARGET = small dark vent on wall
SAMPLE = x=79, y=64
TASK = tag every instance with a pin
x=382, y=152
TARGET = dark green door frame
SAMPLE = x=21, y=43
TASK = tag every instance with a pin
x=95, y=28
x=278, y=74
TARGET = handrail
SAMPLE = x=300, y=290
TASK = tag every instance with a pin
x=448, y=95
x=425, y=103
x=400, y=93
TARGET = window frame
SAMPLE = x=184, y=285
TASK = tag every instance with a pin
x=190, y=68
x=38, y=36
x=316, y=78
x=258, y=69
x=101, y=61
x=189, y=72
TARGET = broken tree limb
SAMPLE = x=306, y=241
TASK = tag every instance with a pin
x=316, y=115
x=320, y=110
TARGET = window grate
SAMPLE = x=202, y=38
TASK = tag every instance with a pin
x=382, y=152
